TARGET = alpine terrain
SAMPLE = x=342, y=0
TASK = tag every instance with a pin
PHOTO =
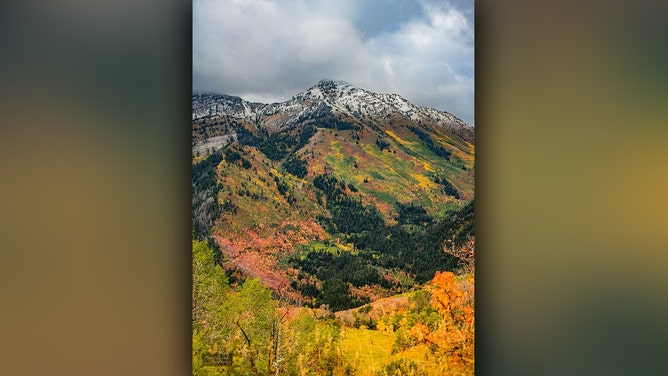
x=333, y=234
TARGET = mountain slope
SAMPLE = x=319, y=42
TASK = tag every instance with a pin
x=306, y=190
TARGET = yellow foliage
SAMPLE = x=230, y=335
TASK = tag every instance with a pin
x=419, y=331
x=453, y=339
x=427, y=166
x=396, y=138
x=423, y=181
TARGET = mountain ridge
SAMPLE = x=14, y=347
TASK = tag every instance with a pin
x=336, y=97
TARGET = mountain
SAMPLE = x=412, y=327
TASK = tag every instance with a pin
x=337, y=196
x=327, y=98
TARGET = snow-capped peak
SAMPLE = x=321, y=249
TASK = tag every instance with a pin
x=327, y=96
x=329, y=84
x=326, y=89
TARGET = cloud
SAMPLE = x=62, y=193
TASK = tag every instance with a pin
x=269, y=50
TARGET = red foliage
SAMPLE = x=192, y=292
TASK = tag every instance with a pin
x=257, y=255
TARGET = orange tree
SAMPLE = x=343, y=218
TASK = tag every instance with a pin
x=453, y=339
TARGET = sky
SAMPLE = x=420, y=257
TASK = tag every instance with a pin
x=267, y=51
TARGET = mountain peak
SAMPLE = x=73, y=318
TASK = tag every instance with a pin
x=331, y=87
x=327, y=83
x=328, y=90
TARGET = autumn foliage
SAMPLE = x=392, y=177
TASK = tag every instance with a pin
x=453, y=338
x=349, y=218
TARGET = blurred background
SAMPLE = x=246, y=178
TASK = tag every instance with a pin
x=571, y=187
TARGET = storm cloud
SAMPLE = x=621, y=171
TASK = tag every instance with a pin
x=267, y=51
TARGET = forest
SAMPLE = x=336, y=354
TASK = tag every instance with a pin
x=249, y=330
x=377, y=294
x=275, y=146
x=414, y=245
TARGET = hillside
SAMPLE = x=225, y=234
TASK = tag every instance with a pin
x=247, y=330
x=413, y=332
x=337, y=196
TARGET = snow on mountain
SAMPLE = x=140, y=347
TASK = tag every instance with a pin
x=333, y=97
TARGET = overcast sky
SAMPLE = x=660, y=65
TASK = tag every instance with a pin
x=267, y=51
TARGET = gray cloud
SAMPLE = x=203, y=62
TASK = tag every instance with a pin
x=267, y=51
